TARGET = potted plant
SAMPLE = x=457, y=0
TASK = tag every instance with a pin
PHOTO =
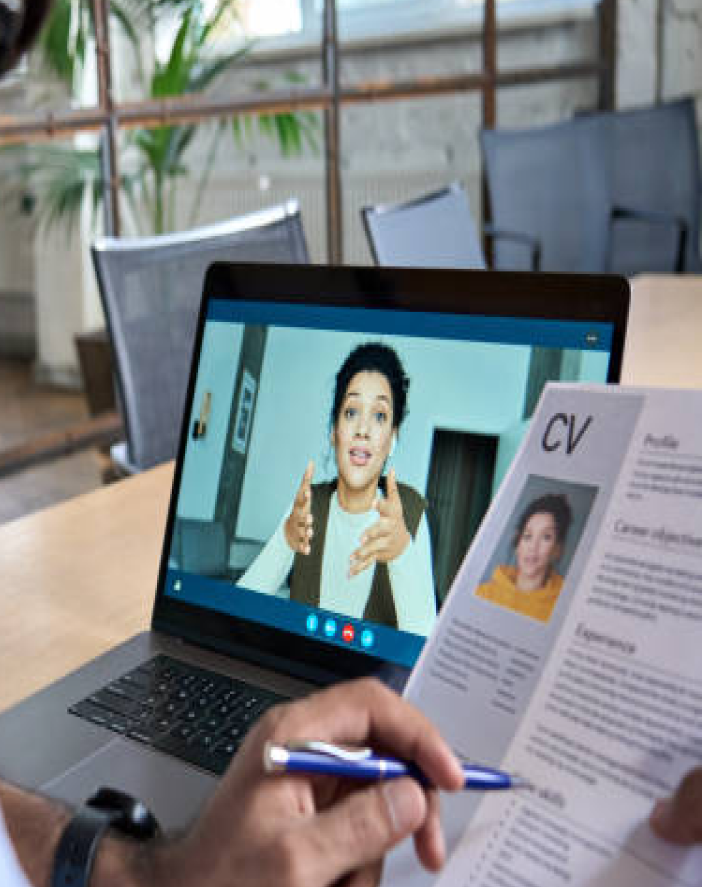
x=60, y=179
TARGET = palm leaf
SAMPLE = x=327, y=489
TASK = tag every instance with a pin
x=168, y=79
x=63, y=177
x=205, y=73
x=62, y=41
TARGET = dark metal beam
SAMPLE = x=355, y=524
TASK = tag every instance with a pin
x=489, y=104
x=110, y=159
x=607, y=20
x=332, y=138
x=52, y=125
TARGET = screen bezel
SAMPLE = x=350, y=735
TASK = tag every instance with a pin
x=595, y=298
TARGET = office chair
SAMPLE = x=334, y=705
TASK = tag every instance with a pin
x=434, y=230
x=546, y=182
x=613, y=191
x=653, y=165
x=151, y=290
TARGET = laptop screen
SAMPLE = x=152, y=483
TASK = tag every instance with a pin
x=338, y=459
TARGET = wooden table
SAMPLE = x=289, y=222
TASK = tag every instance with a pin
x=80, y=577
x=77, y=579
x=664, y=341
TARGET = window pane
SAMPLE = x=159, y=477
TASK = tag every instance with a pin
x=342, y=5
x=271, y=18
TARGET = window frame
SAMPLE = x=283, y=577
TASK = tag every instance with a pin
x=374, y=21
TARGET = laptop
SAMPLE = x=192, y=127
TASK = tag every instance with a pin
x=240, y=619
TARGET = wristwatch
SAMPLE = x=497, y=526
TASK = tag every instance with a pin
x=107, y=808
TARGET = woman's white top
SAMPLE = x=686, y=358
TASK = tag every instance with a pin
x=11, y=874
x=410, y=574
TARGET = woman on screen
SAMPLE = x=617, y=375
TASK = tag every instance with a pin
x=359, y=544
x=532, y=586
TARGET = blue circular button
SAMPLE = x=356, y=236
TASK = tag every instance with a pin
x=312, y=622
x=330, y=628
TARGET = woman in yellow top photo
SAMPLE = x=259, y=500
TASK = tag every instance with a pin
x=532, y=586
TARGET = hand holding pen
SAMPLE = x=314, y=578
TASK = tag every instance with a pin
x=314, y=757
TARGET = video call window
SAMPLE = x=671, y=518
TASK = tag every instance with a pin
x=349, y=471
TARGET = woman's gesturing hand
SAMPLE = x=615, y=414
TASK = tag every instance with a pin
x=388, y=538
x=299, y=527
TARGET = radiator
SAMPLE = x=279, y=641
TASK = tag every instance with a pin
x=236, y=195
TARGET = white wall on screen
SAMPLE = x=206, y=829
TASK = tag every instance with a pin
x=203, y=457
x=594, y=365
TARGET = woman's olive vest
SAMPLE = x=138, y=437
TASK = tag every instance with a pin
x=306, y=573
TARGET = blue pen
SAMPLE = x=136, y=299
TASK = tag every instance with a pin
x=363, y=763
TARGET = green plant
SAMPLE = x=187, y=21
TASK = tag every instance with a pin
x=154, y=159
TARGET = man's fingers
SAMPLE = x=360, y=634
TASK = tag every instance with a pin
x=429, y=839
x=368, y=876
x=359, y=830
x=679, y=819
x=364, y=712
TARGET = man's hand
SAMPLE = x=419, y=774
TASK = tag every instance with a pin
x=311, y=831
x=679, y=819
x=299, y=527
x=388, y=537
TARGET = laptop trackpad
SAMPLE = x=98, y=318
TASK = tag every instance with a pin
x=173, y=790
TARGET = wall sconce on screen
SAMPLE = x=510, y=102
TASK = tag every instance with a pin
x=200, y=424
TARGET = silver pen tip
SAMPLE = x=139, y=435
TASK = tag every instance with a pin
x=522, y=783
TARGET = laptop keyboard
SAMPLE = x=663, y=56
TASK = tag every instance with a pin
x=194, y=714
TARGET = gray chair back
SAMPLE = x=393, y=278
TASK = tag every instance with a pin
x=615, y=191
x=653, y=166
x=151, y=290
x=434, y=230
x=546, y=182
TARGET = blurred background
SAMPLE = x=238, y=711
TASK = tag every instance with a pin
x=135, y=118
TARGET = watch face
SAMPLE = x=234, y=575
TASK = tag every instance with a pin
x=131, y=816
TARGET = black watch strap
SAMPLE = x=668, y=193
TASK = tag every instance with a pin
x=78, y=845
x=79, y=842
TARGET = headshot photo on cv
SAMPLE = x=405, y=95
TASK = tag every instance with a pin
x=358, y=542
x=529, y=568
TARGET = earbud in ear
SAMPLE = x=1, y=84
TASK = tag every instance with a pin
x=393, y=444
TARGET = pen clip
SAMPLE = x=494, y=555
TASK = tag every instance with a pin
x=337, y=752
